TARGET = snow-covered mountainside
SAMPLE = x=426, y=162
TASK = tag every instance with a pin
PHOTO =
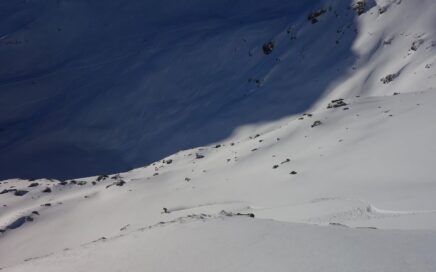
x=307, y=132
x=92, y=87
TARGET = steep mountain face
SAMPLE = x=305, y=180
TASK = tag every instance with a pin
x=312, y=127
x=93, y=87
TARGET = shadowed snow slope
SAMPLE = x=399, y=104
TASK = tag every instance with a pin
x=93, y=87
x=347, y=186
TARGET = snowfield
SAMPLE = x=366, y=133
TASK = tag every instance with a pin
x=325, y=163
x=237, y=244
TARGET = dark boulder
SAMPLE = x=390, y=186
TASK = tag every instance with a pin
x=102, y=177
x=20, y=192
x=360, y=7
x=268, y=48
x=316, y=123
x=389, y=78
x=120, y=183
x=314, y=15
x=5, y=191
x=336, y=103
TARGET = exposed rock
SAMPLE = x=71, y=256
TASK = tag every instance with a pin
x=20, y=192
x=5, y=191
x=389, y=78
x=47, y=190
x=336, y=103
x=125, y=227
x=258, y=82
x=313, y=16
x=359, y=7
x=316, y=123
x=268, y=48
x=117, y=176
x=226, y=213
x=382, y=10
x=102, y=177
x=246, y=214
x=285, y=161
x=34, y=184
x=120, y=183
x=416, y=44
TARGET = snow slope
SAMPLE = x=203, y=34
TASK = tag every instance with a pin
x=104, y=87
x=352, y=192
x=93, y=87
x=247, y=245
